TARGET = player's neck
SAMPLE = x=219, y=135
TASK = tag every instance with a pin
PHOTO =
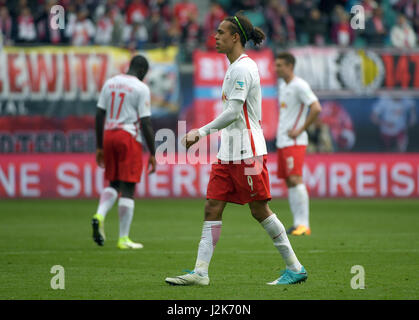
x=289, y=78
x=235, y=54
x=131, y=73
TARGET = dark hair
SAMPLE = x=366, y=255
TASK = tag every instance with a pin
x=249, y=32
x=288, y=57
x=139, y=65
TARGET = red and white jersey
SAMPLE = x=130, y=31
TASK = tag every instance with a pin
x=244, y=137
x=294, y=101
x=125, y=99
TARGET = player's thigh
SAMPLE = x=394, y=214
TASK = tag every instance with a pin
x=251, y=180
x=220, y=184
x=291, y=160
x=129, y=159
x=260, y=209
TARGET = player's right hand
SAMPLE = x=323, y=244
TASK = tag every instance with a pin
x=152, y=163
x=100, y=158
x=191, y=138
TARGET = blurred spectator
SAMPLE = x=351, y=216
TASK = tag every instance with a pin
x=26, y=26
x=46, y=34
x=280, y=24
x=192, y=35
x=316, y=28
x=104, y=28
x=135, y=35
x=375, y=29
x=137, y=11
x=342, y=33
x=369, y=7
x=157, y=29
x=82, y=30
x=182, y=11
x=163, y=7
x=299, y=11
x=402, y=34
x=6, y=26
x=256, y=15
x=410, y=8
x=213, y=18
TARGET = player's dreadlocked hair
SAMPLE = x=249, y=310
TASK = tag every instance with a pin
x=241, y=24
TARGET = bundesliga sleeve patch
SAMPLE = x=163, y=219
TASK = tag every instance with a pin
x=239, y=85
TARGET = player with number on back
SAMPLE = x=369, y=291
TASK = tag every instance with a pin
x=124, y=104
x=240, y=175
x=295, y=98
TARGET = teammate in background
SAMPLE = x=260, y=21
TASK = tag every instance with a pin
x=295, y=98
x=394, y=116
x=124, y=103
x=241, y=140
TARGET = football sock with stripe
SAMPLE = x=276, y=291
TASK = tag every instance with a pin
x=210, y=234
x=277, y=232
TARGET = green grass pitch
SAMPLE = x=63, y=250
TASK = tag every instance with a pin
x=380, y=235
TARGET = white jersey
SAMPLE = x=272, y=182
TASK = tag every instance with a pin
x=125, y=99
x=294, y=101
x=244, y=137
x=393, y=114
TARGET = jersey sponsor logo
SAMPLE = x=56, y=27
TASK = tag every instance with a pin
x=239, y=85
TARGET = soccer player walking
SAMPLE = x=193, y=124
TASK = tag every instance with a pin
x=295, y=98
x=242, y=148
x=124, y=103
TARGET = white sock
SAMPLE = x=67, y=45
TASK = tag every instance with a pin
x=125, y=212
x=299, y=204
x=210, y=234
x=277, y=232
x=106, y=201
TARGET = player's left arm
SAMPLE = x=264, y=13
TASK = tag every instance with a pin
x=99, y=126
x=315, y=109
x=144, y=110
x=307, y=97
x=99, y=123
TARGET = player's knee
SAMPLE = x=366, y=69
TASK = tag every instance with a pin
x=259, y=210
x=114, y=185
x=127, y=190
x=293, y=181
x=213, y=210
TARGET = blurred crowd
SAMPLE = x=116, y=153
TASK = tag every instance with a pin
x=142, y=24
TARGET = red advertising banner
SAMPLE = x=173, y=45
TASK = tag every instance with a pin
x=326, y=175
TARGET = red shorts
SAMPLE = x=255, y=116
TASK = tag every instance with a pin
x=238, y=183
x=290, y=161
x=123, y=156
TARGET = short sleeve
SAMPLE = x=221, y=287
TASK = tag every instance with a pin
x=306, y=95
x=144, y=107
x=240, y=83
x=102, y=97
